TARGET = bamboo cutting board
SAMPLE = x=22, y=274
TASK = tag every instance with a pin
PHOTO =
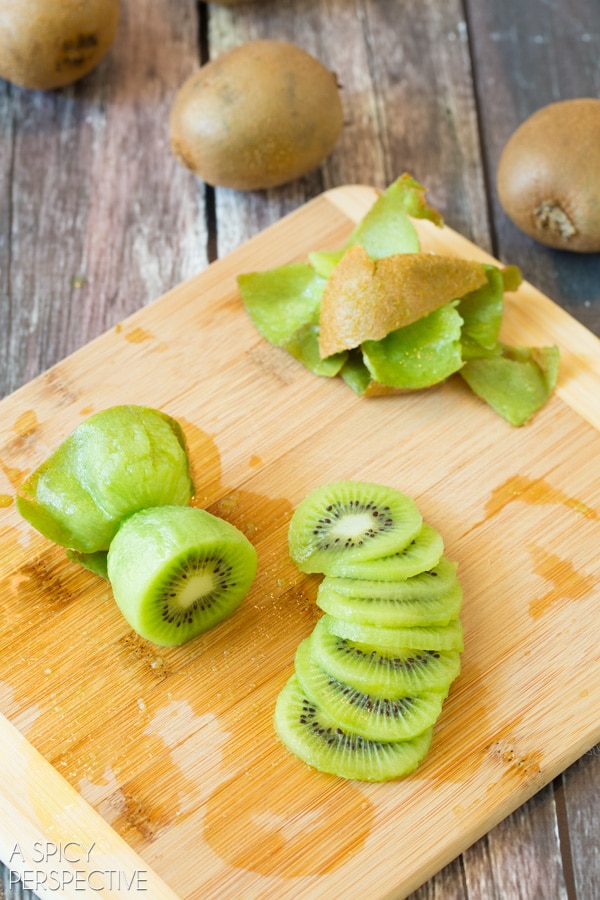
x=136, y=767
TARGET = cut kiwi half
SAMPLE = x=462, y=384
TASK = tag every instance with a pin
x=392, y=612
x=375, y=715
x=420, y=554
x=320, y=742
x=177, y=571
x=354, y=519
x=395, y=671
x=116, y=462
x=432, y=584
x=417, y=637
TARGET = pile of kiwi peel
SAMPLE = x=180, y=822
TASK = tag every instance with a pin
x=116, y=495
x=387, y=317
x=370, y=681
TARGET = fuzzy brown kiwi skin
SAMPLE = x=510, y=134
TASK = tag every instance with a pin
x=547, y=179
x=46, y=45
x=259, y=115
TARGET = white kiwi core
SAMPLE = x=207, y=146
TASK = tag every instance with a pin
x=352, y=525
x=197, y=586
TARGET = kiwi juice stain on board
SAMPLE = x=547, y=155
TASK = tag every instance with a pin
x=536, y=492
x=566, y=582
x=306, y=823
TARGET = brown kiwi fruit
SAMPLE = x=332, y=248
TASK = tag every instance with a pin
x=257, y=116
x=47, y=44
x=547, y=177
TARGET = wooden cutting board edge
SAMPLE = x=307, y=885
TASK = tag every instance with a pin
x=47, y=806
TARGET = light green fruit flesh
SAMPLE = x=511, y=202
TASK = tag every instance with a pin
x=118, y=461
x=423, y=552
x=380, y=671
x=418, y=637
x=94, y=562
x=178, y=571
x=463, y=336
x=432, y=584
x=418, y=355
x=375, y=715
x=516, y=383
x=358, y=519
x=390, y=612
x=283, y=300
x=319, y=742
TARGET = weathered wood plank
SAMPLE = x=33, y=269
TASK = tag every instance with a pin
x=406, y=109
x=525, y=56
x=97, y=216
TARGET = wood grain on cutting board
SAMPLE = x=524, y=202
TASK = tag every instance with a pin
x=170, y=753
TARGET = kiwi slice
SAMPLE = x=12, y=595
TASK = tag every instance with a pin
x=393, y=671
x=116, y=462
x=432, y=584
x=320, y=742
x=422, y=553
x=391, y=612
x=374, y=715
x=176, y=571
x=353, y=519
x=417, y=637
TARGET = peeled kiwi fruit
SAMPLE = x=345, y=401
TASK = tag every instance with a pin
x=355, y=520
x=370, y=680
x=547, y=178
x=257, y=116
x=321, y=742
x=117, y=461
x=46, y=44
x=177, y=571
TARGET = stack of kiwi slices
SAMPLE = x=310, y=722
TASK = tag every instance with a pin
x=370, y=681
x=116, y=494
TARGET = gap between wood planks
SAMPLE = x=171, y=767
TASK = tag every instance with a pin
x=564, y=838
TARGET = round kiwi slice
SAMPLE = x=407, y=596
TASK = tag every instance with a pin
x=356, y=519
x=376, y=715
x=118, y=461
x=392, y=612
x=423, y=552
x=381, y=670
x=176, y=571
x=312, y=736
x=417, y=637
x=433, y=584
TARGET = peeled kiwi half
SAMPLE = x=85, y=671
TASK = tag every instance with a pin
x=257, y=116
x=547, y=177
x=46, y=44
x=177, y=571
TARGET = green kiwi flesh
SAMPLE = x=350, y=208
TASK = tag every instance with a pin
x=375, y=716
x=356, y=519
x=417, y=637
x=380, y=670
x=422, y=553
x=373, y=675
x=177, y=571
x=116, y=462
x=392, y=612
x=320, y=742
x=433, y=584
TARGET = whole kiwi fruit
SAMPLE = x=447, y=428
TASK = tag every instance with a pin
x=257, y=116
x=47, y=44
x=548, y=177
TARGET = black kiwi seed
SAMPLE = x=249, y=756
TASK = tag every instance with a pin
x=177, y=615
x=337, y=511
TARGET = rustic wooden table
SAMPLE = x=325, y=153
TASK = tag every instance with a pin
x=97, y=219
